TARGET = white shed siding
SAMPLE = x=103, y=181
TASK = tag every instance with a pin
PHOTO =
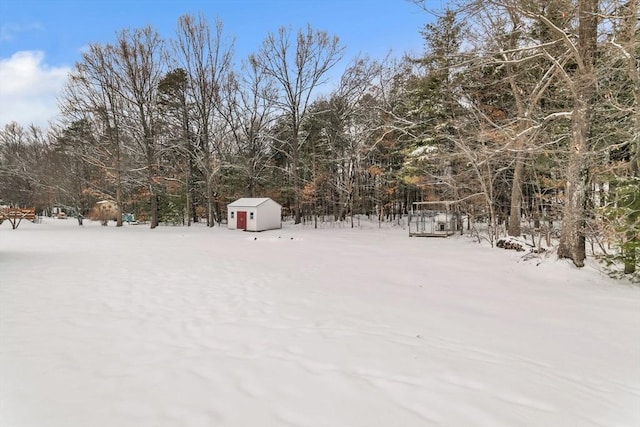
x=252, y=218
x=269, y=217
x=231, y=218
x=262, y=214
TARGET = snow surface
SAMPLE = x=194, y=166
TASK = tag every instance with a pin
x=132, y=327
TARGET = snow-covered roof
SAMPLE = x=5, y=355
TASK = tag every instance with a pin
x=250, y=202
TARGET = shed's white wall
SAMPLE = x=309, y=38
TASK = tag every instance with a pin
x=269, y=217
x=252, y=223
x=266, y=216
x=231, y=222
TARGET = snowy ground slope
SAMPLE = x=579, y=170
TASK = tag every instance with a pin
x=180, y=326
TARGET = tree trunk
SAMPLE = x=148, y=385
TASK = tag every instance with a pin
x=188, y=201
x=189, y=173
x=119, y=195
x=631, y=260
x=154, y=210
x=630, y=257
x=515, y=214
x=210, y=216
x=572, y=239
x=295, y=160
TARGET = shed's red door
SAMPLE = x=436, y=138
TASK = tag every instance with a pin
x=242, y=220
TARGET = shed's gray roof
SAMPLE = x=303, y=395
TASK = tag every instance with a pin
x=250, y=202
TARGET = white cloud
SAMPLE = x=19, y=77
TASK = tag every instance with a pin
x=29, y=89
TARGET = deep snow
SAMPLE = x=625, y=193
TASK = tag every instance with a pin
x=131, y=327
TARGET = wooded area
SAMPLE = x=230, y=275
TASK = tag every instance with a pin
x=524, y=112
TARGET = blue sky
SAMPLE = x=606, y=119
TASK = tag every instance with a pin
x=40, y=40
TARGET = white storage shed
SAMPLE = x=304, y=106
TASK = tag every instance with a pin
x=254, y=214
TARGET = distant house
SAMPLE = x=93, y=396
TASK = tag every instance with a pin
x=254, y=214
x=104, y=211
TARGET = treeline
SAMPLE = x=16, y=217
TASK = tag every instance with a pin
x=525, y=113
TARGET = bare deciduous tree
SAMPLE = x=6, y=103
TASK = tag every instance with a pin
x=206, y=57
x=139, y=58
x=582, y=85
x=93, y=93
x=298, y=64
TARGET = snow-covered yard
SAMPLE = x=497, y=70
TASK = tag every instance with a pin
x=178, y=326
